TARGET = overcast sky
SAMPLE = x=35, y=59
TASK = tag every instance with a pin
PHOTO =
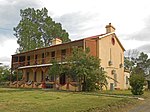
x=81, y=18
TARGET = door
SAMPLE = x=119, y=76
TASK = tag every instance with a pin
x=62, y=79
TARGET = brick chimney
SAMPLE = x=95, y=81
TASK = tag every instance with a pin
x=56, y=41
x=110, y=28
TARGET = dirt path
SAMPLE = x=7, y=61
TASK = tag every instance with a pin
x=143, y=107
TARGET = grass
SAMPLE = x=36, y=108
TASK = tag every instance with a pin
x=37, y=100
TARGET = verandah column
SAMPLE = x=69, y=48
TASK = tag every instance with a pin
x=24, y=77
x=17, y=77
x=44, y=69
x=34, y=70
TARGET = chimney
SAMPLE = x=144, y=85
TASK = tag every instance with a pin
x=109, y=28
x=56, y=41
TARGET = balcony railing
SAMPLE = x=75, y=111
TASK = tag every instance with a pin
x=40, y=61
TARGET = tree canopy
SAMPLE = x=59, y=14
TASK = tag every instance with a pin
x=137, y=83
x=139, y=64
x=4, y=73
x=139, y=67
x=36, y=29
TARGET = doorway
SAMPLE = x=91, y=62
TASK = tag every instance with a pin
x=62, y=79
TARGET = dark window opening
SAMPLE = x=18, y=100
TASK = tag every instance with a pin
x=43, y=57
x=53, y=55
x=35, y=76
x=15, y=59
x=36, y=56
x=63, y=54
x=28, y=60
x=62, y=79
x=21, y=58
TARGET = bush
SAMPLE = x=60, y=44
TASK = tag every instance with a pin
x=137, y=83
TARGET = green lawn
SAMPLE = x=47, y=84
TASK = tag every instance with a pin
x=37, y=100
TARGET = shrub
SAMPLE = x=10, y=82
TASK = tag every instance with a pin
x=137, y=83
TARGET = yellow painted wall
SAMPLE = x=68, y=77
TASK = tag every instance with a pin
x=108, y=51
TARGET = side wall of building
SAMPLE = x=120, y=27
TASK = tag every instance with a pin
x=112, y=59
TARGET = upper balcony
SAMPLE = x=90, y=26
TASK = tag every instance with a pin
x=44, y=56
x=42, y=61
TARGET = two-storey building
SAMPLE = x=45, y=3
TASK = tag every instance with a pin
x=34, y=64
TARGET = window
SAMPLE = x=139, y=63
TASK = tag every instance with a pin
x=15, y=59
x=53, y=55
x=36, y=59
x=34, y=76
x=63, y=54
x=27, y=76
x=36, y=56
x=22, y=60
x=62, y=79
x=43, y=57
x=28, y=60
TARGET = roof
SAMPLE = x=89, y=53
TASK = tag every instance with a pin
x=49, y=46
x=91, y=37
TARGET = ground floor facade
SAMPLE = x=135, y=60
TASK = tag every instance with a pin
x=40, y=78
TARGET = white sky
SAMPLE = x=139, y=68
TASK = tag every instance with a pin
x=129, y=17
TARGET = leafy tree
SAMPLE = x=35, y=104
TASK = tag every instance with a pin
x=137, y=83
x=36, y=29
x=128, y=63
x=87, y=69
x=55, y=70
x=143, y=63
x=4, y=73
x=139, y=68
x=84, y=67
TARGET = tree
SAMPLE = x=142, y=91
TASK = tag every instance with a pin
x=128, y=63
x=82, y=67
x=137, y=83
x=55, y=70
x=139, y=68
x=4, y=73
x=144, y=63
x=87, y=69
x=36, y=29
x=130, y=58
